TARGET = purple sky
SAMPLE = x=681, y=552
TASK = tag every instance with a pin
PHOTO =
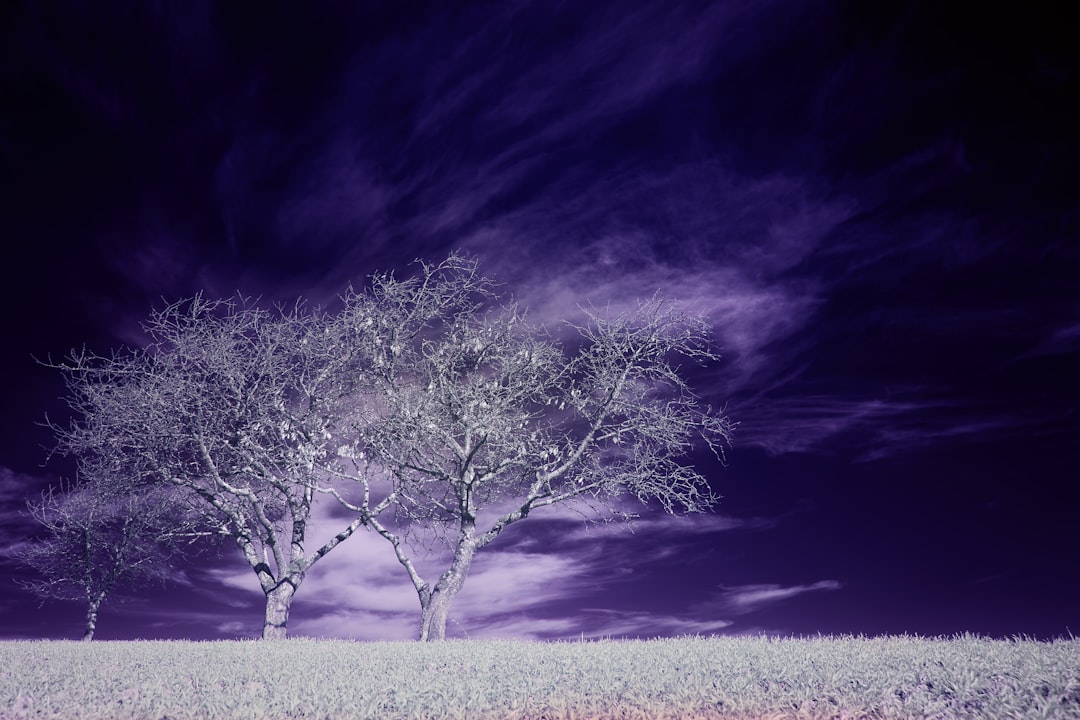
x=869, y=201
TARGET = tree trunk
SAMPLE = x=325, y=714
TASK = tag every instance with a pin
x=433, y=615
x=435, y=607
x=91, y=619
x=278, y=601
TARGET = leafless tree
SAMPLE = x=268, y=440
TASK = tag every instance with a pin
x=234, y=407
x=99, y=540
x=463, y=419
x=479, y=421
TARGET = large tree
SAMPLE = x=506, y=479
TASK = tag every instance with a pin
x=483, y=419
x=235, y=408
x=99, y=539
x=250, y=414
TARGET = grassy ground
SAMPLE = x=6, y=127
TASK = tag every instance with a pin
x=837, y=678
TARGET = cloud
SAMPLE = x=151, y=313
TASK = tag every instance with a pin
x=1067, y=338
x=561, y=226
x=714, y=243
x=664, y=531
x=530, y=583
x=360, y=589
x=524, y=627
x=901, y=421
x=803, y=423
x=16, y=486
x=362, y=585
x=344, y=190
x=162, y=621
x=616, y=624
x=500, y=592
x=1059, y=338
x=12, y=487
x=605, y=62
x=15, y=520
x=744, y=599
x=966, y=424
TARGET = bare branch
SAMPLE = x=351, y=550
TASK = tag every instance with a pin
x=239, y=410
x=99, y=540
x=484, y=409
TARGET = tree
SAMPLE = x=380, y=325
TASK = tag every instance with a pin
x=435, y=406
x=236, y=409
x=99, y=541
x=482, y=420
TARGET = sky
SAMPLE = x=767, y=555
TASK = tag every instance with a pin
x=868, y=201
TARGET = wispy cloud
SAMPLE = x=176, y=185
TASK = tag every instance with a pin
x=16, y=522
x=802, y=423
x=743, y=599
x=725, y=258
x=1061, y=338
x=896, y=423
x=524, y=627
x=617, y=624
x=581, y=227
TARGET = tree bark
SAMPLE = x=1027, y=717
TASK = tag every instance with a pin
x=434, y=613
x=91, y=619
x=278, y=601
x=435, y=606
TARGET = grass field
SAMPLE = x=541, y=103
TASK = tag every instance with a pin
x=737, y=677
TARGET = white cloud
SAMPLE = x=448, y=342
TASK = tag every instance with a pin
x=523, y=627
x=513, y=582
x=360, y=590
x=608, y=623
x=748, y=598
x=362, y=582
x=663, y=528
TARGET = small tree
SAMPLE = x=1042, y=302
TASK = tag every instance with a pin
x=99, y=541
x=236, y=409
x=481, y=422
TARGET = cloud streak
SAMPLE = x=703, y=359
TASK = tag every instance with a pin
x=743, y=599
x=16, y=523
x=894, y=424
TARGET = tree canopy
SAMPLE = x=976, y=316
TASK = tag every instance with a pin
x=235, y=408
x=485, y=418
x=423, y=394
